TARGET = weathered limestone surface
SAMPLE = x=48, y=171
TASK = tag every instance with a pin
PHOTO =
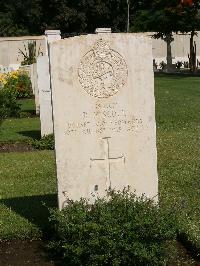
x=104, y=115
x=44, y=95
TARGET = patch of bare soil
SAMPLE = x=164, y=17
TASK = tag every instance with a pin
x=183, y=257
x=20, y=253
x=15, y=147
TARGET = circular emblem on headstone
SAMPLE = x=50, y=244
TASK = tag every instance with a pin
x=102, y=71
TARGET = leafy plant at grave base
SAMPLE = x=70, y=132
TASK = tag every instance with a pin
x=162, y=65
x=120, y=229
x=19, y=83
x=8, y=104
x=25, y=114
x=45, y=143
x=179, y=64
x=30, y=54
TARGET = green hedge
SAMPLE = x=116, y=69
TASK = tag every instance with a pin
x=8, y=104
x=45, y=143
x=121, y=229
x=20, y=83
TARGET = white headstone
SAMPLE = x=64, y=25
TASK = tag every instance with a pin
x=53, y=35
x=31, y=71
x=44, y=95
x=35, y=87
x=104, y=115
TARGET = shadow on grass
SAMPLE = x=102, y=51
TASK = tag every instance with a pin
x=33, y=208
x=176, y=75
x=34, y=134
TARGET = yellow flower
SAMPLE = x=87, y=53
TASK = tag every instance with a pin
x=3, y=78
x=14, y=76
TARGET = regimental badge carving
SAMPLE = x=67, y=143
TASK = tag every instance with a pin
x=102, y=71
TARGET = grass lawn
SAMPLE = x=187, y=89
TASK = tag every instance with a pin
x=28, y=179
x=178, y=142
x=23, y=129
x=27, y=105
x=28, y=187
x=19, y=130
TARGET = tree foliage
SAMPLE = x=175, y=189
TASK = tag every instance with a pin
x=20, y=17
x=166, y=16
x=84, y=16
x=70, y=16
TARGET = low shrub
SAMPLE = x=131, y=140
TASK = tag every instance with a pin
x=20, y=83
x=25, y=114
x=2, y=80
x=8, y=104
x=120, y=229
x=45, y=143
x=186, y=64
x=179, y=64
x=162, y=65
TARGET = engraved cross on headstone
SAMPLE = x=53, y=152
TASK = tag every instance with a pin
x=107, y=160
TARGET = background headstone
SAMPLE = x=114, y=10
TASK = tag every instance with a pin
x=44, y=95
x=32, y=78
x=34, y=82
x=104, y=115
x=52, y=35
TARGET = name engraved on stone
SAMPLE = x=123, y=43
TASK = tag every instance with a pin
x=102, y=71
x=46, y=91
x=106, y=117
x=107, y=160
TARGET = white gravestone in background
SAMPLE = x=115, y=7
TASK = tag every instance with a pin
x=32, y=78
x=104, y=115
x=34, y=81
x=44, y=95
x=52, y=35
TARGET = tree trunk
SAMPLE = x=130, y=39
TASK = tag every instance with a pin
x=192, y=56
x=128, y=16
x=168, y=39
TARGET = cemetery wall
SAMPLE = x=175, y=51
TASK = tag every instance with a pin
x=180, y=47
x=10, y=46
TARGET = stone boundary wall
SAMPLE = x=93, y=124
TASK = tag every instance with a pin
x=9, y=48
x=180, y=47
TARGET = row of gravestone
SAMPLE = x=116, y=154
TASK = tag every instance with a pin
x=97, y=95
x=39, y=74
x=7, y=69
